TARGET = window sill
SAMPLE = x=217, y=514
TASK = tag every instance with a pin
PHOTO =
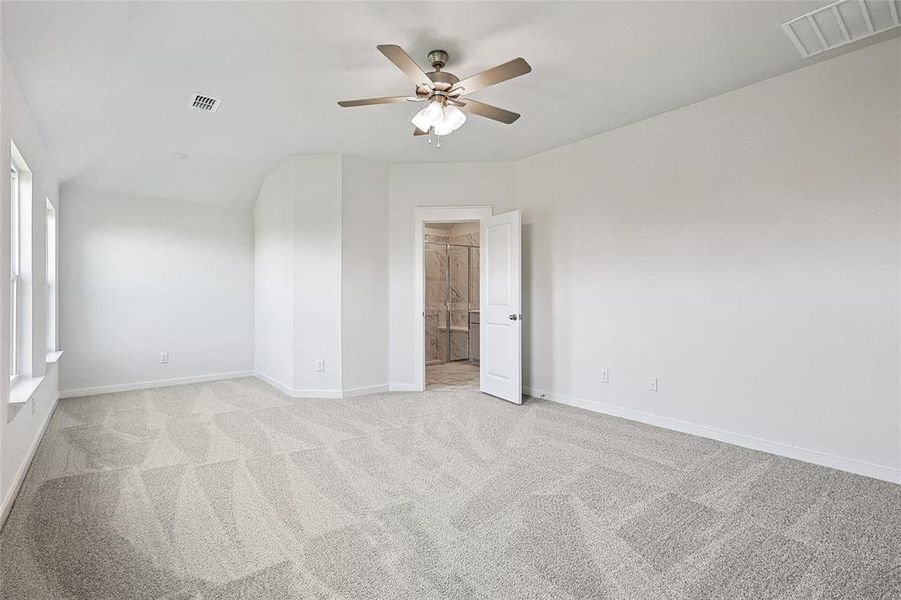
x=53, y=357
x=22, y=391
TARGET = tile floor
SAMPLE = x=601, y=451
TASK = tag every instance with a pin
x=462, y=375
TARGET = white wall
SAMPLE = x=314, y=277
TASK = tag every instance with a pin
x=412, y=185
x=274, y=278
x=298, y=279
x=340, y=204
x=364, y=275
x=745, y=250
x=141, y=276
x=316, y=190
x=21, y=425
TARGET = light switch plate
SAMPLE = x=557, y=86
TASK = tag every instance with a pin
x=652, y=384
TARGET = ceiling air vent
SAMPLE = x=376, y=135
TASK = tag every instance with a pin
x=205, y=103
x=841, y=23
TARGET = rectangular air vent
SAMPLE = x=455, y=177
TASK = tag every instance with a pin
x=841, y=23
x=205, y=103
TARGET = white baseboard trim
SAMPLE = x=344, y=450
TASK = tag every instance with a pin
x=330, y=394
x=143, y=385
x=403, y=387
x=816, y=457
x=19, y=479
x=364, y=391
x=295, y=393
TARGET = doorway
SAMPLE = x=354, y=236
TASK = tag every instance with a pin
x=424, y=217
x=451, y=302
x=500, y=297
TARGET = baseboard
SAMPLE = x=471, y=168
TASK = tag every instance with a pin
x=364, y=391
x=841, y=463
x=143, y=385
x=403, y=387
x=19, y=479
x=297, y=393
x=332, y=394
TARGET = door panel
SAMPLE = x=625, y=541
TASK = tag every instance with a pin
x=501, y=306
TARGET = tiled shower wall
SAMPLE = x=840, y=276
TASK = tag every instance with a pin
x=462, y=293
x=435, y=299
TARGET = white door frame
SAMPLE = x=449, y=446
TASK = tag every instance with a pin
x=421, y=216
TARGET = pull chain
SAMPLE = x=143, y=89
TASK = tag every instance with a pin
x=438, y=137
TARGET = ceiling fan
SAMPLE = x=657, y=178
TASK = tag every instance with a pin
x=446, y=94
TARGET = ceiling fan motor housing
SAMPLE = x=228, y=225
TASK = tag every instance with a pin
x=443, y=80
x=438, y=58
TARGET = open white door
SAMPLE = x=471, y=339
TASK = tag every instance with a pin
x=501, y=306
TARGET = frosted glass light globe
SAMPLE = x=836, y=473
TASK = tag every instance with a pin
x=421, y=121
x=434, y=112
x=454, y=117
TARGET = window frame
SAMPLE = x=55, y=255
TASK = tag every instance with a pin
x=21, y=261
x=15, y=225
x=52, y=276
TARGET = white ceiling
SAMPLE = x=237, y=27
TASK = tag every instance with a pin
x=109, y=83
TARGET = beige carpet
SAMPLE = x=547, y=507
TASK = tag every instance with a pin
x=231, y=490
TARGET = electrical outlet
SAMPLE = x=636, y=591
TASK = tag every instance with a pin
x=320, y=365
x=605, y=376
x=164, y=358
x=652, y=384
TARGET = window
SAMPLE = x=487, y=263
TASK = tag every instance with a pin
x=51, y=277
x=14, y=195
x=19, y=316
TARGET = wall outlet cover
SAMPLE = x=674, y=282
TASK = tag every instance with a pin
x=652, y=384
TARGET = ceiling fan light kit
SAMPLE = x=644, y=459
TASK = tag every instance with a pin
x=441, y=118
x=445, y=93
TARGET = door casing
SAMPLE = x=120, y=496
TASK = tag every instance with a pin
x=423, y=215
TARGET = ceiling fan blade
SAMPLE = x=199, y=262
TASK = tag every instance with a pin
x=417, y=131
x=486, y=110
x=508, y=70
x=383, y=100
x=406, y=64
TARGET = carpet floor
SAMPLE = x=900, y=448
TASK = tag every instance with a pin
x=232, y=490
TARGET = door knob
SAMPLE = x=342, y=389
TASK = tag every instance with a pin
x=513, y=317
